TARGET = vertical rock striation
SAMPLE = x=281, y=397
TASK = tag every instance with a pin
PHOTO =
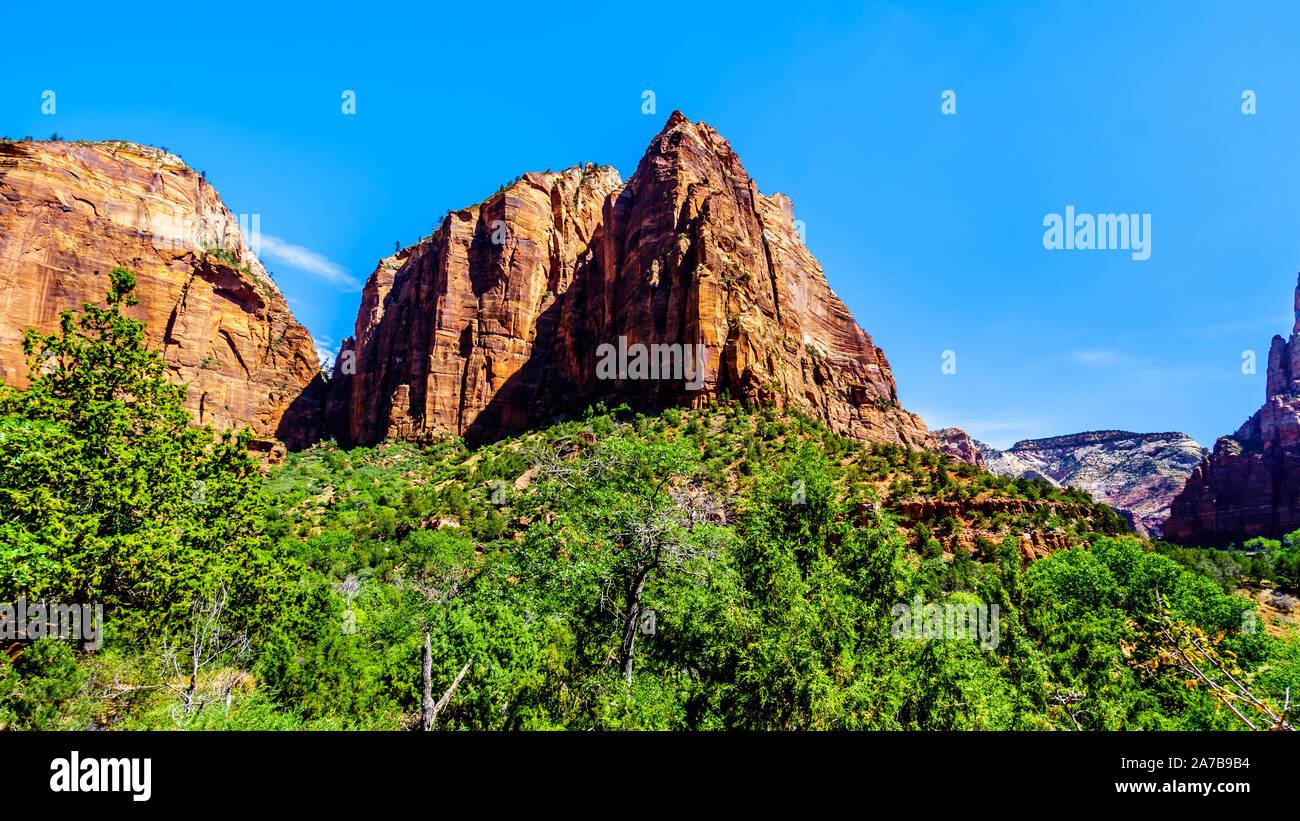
x=501, y=318
x=71, y=212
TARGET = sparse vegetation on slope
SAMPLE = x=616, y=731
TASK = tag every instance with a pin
x=727, y=566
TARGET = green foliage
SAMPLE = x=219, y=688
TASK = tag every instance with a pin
x=38, y=691
x=1259, y=562
x=1092, y=610
x=108, y=495
x=770, y=553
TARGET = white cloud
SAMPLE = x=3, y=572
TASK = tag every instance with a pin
x=308, y=261
x=1098, y=357
x=324, y=349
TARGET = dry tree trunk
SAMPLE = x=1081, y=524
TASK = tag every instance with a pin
x=446, y=697
x=428, y=712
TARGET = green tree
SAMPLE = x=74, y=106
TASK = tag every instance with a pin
x=638, y=517
x=108, y=493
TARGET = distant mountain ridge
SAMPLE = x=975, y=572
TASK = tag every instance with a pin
x=1090, y=437
x=1138, y=474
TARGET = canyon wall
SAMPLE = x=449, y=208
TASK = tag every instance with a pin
x=503, y=317
x=71, y=212
x=1250, y=485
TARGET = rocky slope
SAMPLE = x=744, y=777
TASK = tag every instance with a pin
x=70, y=212
x=958, y=444
x=513, y=312
x=1250, y=485
x=1138, y=474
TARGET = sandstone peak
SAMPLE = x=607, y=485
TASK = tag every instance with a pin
x=1250, y=485
x=499, y=321
x=1296, y=328
x=675, y=119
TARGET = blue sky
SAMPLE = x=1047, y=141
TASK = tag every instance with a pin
x=929, y=226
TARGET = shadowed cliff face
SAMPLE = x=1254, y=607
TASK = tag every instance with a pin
x=516, y=311
x=1250, y=485
x=71, y=212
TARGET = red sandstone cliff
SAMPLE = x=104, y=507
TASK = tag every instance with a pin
x=959, y=445
x=1250, y=485
x=497, y=321
x=71, y=212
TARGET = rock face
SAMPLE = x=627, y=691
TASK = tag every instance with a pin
x=71, y=212
x=957, y=443
x=1138, y=474
x=569, y=288
x=1250, y=485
